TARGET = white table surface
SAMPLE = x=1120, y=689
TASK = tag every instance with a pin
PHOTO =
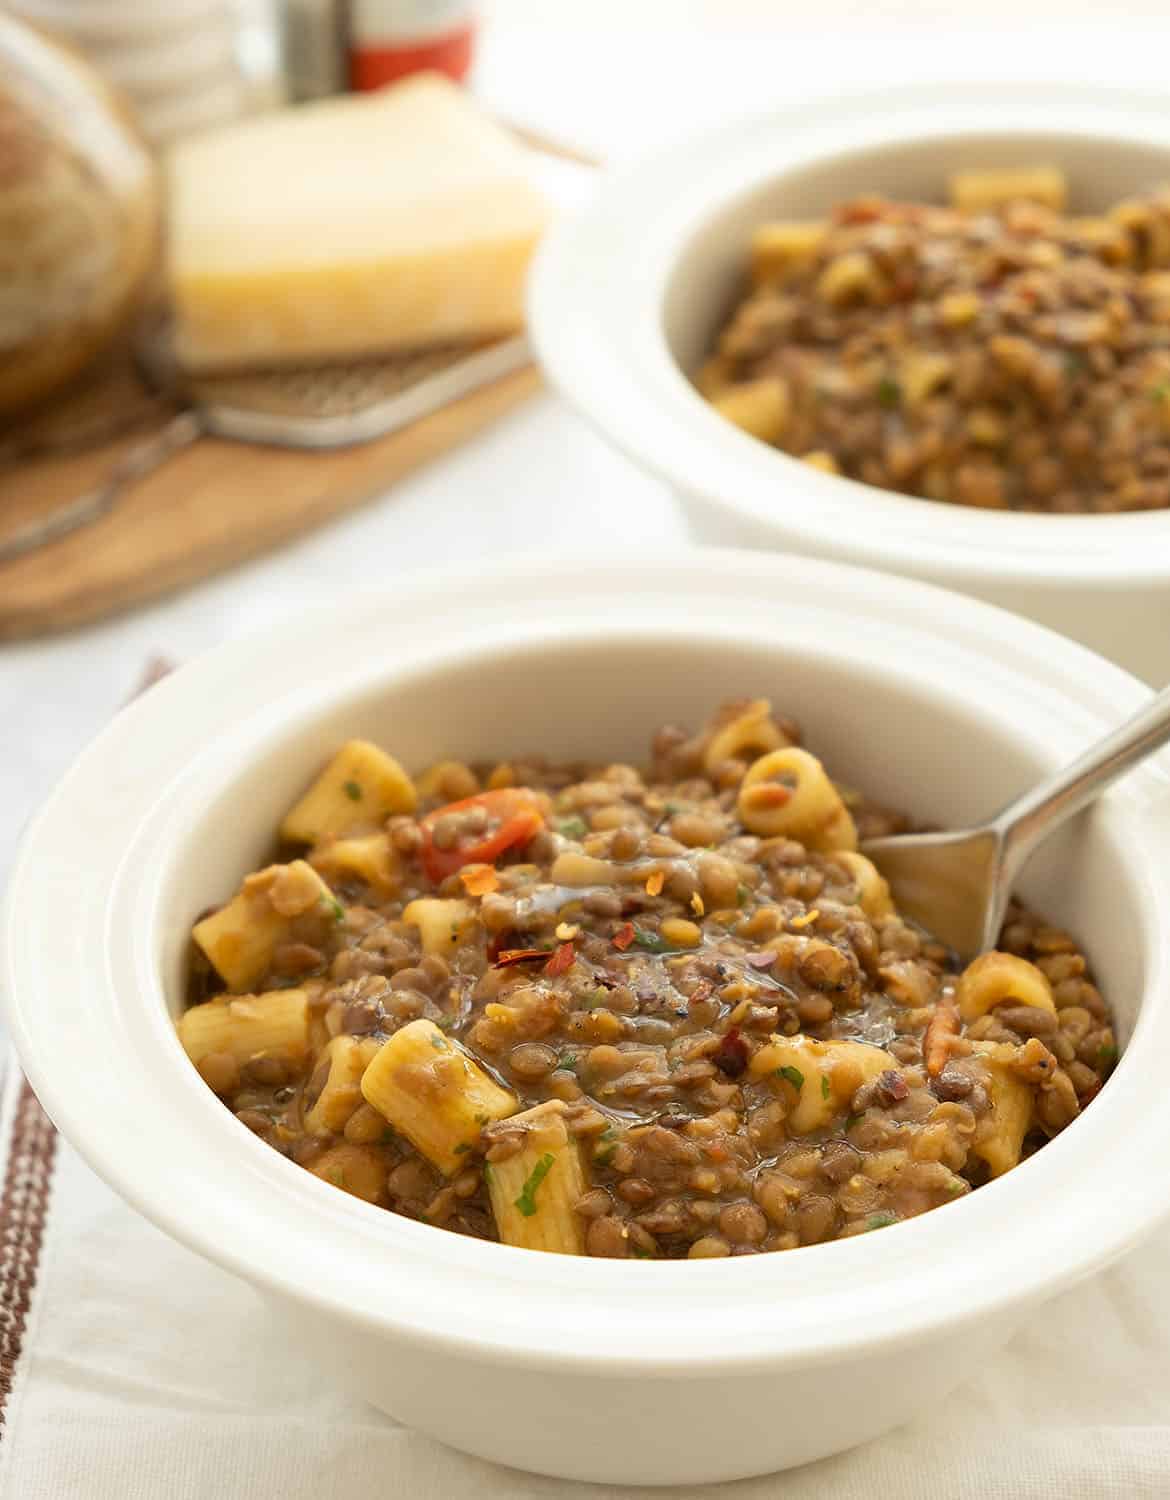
x=617, y=76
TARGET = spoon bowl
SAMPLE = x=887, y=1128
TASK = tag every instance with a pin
x=957, y=885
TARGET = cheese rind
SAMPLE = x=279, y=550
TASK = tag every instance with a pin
x=351, y=227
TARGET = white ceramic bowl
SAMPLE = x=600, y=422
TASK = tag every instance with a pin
x=627, y=295
x=618, y=1371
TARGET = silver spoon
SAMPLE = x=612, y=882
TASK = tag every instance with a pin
x=957, y=885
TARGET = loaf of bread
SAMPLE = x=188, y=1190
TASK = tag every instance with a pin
x=79, y=216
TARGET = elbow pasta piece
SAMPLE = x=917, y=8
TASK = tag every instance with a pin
x=246, y=1027
x=757, y=407
x=443, y=923
x=778, y=251
x=851, y=277
x=825, y=1075
x=995, y=978
x=240, y=938
x=788, y=793
x=750, y=733
x=533, y=1193
x=344, y=1060
x=359, y=788
x=873, y=890
x=999, y=1136
x=370, y=858
x=990, y=187
x=360, y=1170
x=1147, y=231
x=435, y=1093
x=448, y=781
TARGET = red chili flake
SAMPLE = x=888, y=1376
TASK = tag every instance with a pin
x=624, y=936
x=860, y=211
x=502, y=941
x=731, y=1055
x=511, y=956
x=892, y=1085
x=561, y=960
x=763, y=960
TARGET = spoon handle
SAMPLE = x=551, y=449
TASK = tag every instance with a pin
x=1024, y=822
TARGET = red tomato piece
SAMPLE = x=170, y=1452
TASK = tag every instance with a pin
x=515, y=814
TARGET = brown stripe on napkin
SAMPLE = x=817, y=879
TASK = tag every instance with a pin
x=23, y=1203
x=28, y=1177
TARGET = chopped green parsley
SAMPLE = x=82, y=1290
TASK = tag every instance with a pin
x=572, y=828
x=353, y=791
x=526, y=1202
x=825, y=1089
x=889, y=393
x=794, y=1076
x=461, y=1148
x=881, y=1220
x=651, y=941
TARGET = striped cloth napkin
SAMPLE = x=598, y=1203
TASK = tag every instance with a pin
x=130, y=1369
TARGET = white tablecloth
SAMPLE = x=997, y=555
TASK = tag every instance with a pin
x=144, y=1372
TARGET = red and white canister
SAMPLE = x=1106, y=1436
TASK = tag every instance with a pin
x=390, y=38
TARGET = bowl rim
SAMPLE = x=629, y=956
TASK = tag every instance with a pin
x=171, y=1149
x=600, y=339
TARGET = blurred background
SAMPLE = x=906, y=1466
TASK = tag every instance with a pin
x=81, y=619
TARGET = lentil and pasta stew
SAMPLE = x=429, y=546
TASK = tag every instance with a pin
x=996, y=352
x=604, y=1011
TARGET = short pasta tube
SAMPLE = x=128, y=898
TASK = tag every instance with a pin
x=534, y=1192
x=360, y=787
x=369, y=858
x=998, y=978
x=788, y=792
x=784, y=249
x=750, y=733
x=757, y=407
x=336, y=1081
x=247, y=1027
x=442, y=923
x=714, y=376
x=824, y=1075
x=992, y=187
x=873, y=890
x=434, y=1093
x=241, y=938
x=999, y=1137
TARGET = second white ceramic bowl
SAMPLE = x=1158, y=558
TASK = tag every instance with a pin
x=628, y=294
x=621, y=1371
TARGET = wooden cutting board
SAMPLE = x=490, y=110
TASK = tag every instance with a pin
x=207, y=508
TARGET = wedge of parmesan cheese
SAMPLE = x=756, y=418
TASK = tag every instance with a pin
x=353, y=226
